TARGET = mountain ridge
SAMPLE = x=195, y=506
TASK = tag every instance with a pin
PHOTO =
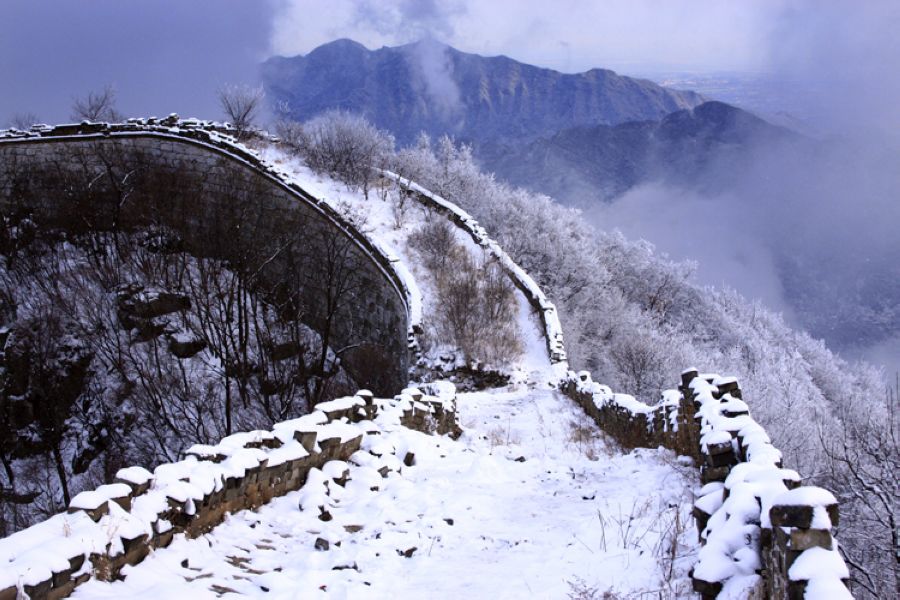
x=429, y=86
x=581, y=165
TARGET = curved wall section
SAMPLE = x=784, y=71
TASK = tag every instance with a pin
x=223, y=202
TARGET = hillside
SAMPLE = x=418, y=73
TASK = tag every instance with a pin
x=583, y=165
x=632, y=318
x=588, y=140
x=431, y=87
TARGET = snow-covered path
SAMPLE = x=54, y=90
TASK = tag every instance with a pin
x=529, y=502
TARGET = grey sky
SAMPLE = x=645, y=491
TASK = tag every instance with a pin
x=569, y=35
x=171, y=55
x=161, y=56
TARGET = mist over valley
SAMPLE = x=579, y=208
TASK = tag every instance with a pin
x=787, y=209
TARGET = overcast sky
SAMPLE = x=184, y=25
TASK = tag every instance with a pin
x=170, y=55
x=569, y=35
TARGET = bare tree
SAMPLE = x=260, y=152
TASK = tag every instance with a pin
x=97, y=106
x=241, y=104
x=23, y=120
x=864, y=459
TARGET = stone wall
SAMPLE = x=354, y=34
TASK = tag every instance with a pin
x=546, y=310
x=763, y=534
x=633, y=424
x=121, y=523
x=223, y=201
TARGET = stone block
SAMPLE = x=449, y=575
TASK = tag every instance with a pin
x=162, y=540
x=136, y=549
x=708, y=474
x=708, y=590
x=803, y=539
x=330, y=447
x=796, y=590
x=307, y=439
x=701, y=518
x=791, y=516
x=39, y=590
x=61, y=578
x=95, y=514
x=730, y=387
x=136, y=489
x=63, y=591
x=725, y=459
x=719, y=448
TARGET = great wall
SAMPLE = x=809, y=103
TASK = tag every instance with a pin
x=754, y=517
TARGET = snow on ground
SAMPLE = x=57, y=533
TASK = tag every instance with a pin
x=529, y=502
x=380, y=224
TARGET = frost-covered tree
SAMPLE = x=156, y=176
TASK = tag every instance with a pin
x=635, y=319
x=97, y=106
x=345, y=146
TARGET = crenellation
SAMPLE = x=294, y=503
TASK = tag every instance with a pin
x=182, y=514
x=708, y=420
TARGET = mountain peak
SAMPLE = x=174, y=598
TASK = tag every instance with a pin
x=341, y=45
x=413, y=88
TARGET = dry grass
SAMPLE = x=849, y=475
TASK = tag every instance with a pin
x=503, y=436
x=587, y=438
x=477, y=312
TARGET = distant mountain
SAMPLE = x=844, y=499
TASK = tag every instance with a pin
x=578, y=138
x=431, y=87
x=584, y=164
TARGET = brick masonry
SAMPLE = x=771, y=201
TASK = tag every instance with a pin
x=219, y=196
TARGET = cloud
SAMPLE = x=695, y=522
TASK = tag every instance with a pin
x=719, y=231
x=808, y=228
x=570, y=34
x=432, y=68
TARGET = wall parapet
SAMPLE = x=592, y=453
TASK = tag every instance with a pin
x=218, y=139
x=763, y=534
x=119, y=524
x=762, y=531
x=546, y=310
x=630, y=422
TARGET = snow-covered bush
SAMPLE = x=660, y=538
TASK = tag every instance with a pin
x=346, y=146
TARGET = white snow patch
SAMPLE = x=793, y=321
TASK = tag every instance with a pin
x=514, y=508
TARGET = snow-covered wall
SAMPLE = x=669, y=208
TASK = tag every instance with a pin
x=764, y=535
x=119, y=524
x=763, y=532
x=545, y=309
x=630, y=422
x=215, y=192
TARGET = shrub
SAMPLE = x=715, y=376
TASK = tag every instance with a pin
x=478, y=308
